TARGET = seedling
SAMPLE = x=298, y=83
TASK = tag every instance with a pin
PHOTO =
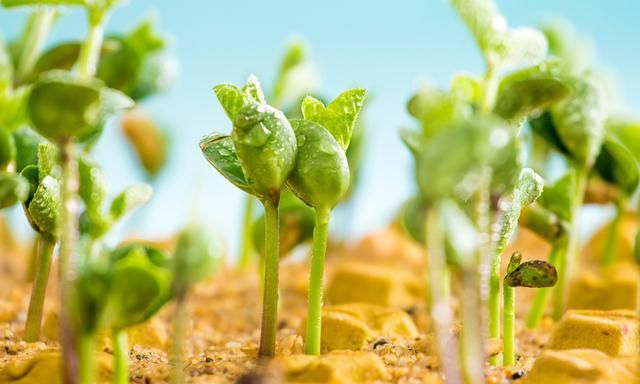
x=530, y=274
x=196, y=258
x=321, y=179
x=258, y=158
x=526, y=191
x=126, y=289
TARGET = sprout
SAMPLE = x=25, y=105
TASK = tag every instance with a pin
x=196, y=258
x=530, y=274
x=124, y=290
x=257, y=158
x=321, y=179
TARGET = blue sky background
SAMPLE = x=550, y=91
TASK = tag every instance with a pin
x=383, y=46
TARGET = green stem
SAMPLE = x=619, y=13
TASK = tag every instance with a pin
x=90, y=50
x=66, y=256
x=38, y=292
x=438, y=285
x=177, y=346
x=567, y=260
x=87, y=355
x=509, y=336
x=541, y=298
x=271, y=262
x=314, y=309
x=490, y=90
x=35, y=34
x=247, y=251
x=121, y=357
x=611, y=247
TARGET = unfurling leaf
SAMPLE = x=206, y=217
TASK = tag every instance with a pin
x=44, y=207
x=231, y=97
x=219, y=151
x=532, y=274
x=253, y=88
x=130, y=199
x=514, y=262
x=339, y=116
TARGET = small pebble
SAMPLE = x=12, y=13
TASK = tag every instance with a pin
x=517, y=374
x=380, y=342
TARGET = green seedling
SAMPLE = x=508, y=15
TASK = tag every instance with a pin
x=196, y=258
x=618, y=166
x=124, y=288
x=321, y=179
x=257, y=157
x=527, y=190
x=530, y=274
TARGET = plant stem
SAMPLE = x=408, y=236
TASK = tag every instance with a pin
x=542, y=295
x=490, y=90
x=66, y=256
x=471, y=341
x=314, y=309
x=37, y=29
x=611, y=247
x=567, y=259
x=121, y=357
x=509, y=334
x=271, y=262
x=440, y=304
x=493, y=300
x=87, y=351
x=90, y=50
x=179, y=332
x=247, y=251
x=38, y=292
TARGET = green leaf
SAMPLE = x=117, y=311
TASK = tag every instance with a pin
x=26, y=148
x=254, y=90
x=580, y=121
x=436, y=109
x=199, y=252
x=530, y=90
x=543, y=222
x=13, y=189
x=145, y=39
x=157, y=73
x=13, y=104
x=140, y=284
x=220, y=152
x=573, y=51
x=339, y=116
x=44, y=208
x=617, y=165
x=532, y=274
x=232, y=99
x=557, y=197
x=411, y=218
x=293, y=58
x=514, y=262
x=320, y=176
x=61, y=57
x=62, y=106
x=543, y=126
x=7, y=149
x=130, y=199
x=88, y=296
x=628, y=132
x=31, y=174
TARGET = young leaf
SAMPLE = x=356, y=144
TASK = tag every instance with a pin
x=293, y=58
x=339, y=116
x=130, y=199
x=320, y=177
x=543, y=127
x=220, y=152
x=231, y=98
x=543, y=222
x=527, y=91
x=7, y=149
x=436, y=109
x=628, y=132
x=580, y=121
x=197, y=255
x=26, y=148
x=44, y=208
x=532, y=274
x=13, y=189
x=514, y=262
x=144, y=38
x=48, y=160
x=557, y=197
x=113, y=102
x=253, y=89
x=617, y=165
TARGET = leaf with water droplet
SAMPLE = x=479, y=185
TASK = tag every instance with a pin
x=253, y=89
x=220, y=152
x=339, y=116
x=532, y=274
x=232, y=99
x=524, y=92
x=44, y=208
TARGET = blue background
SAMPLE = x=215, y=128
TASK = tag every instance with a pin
x=383, y=46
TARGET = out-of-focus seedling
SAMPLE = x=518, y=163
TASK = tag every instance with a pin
x=126, y=287
x=257, y=157
x=321, y=179
x=530, y=274
x=527, y=190
x=197, y=255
